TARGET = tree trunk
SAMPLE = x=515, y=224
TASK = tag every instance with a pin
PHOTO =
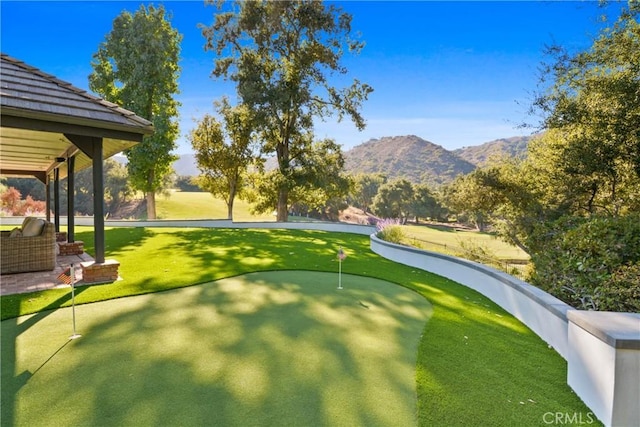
x=283, y=211
x=151, y=197
x=151, y=205
x=232, y=196
x=230, y=210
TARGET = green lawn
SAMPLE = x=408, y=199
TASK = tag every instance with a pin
x=476, y=364
x=452, y=238
x=194, y=205
x=268, y=348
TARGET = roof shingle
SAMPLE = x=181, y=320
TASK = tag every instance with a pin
x=27, y=88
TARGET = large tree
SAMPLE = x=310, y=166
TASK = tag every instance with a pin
x=281, y=55
x=395, y=199
x=137, y=67
x=587, y=162
x=316, y=180
x=223, y=150
x=592, y=100
x=425, y=204
x=365, y=188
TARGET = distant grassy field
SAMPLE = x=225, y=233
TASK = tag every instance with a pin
x=201, y=205
x=181, y=205
x=436, y=238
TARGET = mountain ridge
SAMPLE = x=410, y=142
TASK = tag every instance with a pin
x=411, y=157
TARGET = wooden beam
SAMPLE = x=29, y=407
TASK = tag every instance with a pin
x=84, y=143
x=98, y=200
x=47, y=189
x=75, y=129
x=92, y=147
x=40, y=175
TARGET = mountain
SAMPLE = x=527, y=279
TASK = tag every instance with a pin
x=409, y=157
x=480, y=155
x=186, y=165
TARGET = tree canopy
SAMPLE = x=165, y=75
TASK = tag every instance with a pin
x=137, y=68
x=223, y=152
x=281, y=56
x=395, y=199
x=593, y=99
x=573, y=203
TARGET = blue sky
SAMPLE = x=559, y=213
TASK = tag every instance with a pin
x=454, y=73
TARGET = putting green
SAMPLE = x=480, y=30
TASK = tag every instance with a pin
x=268, y=348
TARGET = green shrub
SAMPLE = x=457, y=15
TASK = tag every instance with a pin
x=590, y=263
x=393, y=234
x=621, y=292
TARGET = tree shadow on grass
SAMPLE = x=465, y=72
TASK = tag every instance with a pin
x=215, y=253
x=509, y=375
x=262, y=349
x=117, y=240
x=13, y=377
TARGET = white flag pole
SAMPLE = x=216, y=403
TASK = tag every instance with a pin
x=73, y=302
x=341, y=256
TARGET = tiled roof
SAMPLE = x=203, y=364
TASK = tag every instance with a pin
x=38, y=111
x=29, y=89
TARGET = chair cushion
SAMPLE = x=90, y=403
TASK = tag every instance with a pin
x=26, y=221
x=33, y=228
x=16, y=232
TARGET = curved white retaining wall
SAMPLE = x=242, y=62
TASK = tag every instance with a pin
x=602, y=349
x=542, y=313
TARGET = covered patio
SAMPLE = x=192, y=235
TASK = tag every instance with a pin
x=50, y=130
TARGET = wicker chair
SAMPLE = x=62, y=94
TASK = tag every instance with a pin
x=23, y=254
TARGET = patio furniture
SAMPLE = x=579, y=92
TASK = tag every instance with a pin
x=32, y=247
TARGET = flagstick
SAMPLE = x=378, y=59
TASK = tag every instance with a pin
x=340, y=274
x=73, y=303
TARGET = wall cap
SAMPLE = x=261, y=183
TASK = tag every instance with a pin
x=619, y=330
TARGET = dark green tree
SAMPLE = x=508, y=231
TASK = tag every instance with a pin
x=468, y=197
x=281, y=55
x=425, y=204
x=395, y=200
x=591, y=100
x=365, y=188
x=137, y=68
x=316, y=180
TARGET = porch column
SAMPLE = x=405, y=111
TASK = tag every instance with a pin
x=92, y=147
x=71, y=191
x=47, y=191
x=98, y=199
x=56, y=198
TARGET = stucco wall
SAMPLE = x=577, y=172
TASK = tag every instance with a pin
x=543, y=313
